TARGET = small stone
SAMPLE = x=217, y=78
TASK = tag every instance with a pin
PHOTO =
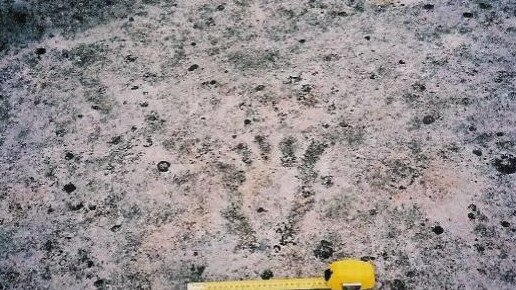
x=163, y=166
x=247, y=122
x=477, y=152
x=428, y=6
x=259, y=88
x=471, y=216
x=505, y=224
x=467, y=14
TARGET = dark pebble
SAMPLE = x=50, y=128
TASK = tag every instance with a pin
x=477, y=152
x=259, y=88
x=428, y=6
x=247, y=121
x=467, y=14
x=471, y=216
x=505, y=224
x=69, y=188
x=163, y=166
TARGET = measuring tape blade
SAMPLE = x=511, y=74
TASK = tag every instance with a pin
x=274, y=284
x=343, y=274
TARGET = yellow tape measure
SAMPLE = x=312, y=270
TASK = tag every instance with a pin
x=344, y=274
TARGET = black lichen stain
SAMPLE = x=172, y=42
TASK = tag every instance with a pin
x=506, y=164
x=100, y=284
x=428, y=119
x=245, y=152
x=69, y=188
x=324, y=250
x=327, y=274
x=437, y=230
x=288, y=148
x=193, y=67
x=76, y=206
x=267, y=275
x=312, y=154
x=40, y=51
x=240, y=225
x=196, y=272
x=85, y=55
x=287, y=234
x=264, y=145
x=163, y=166
x=397, y=284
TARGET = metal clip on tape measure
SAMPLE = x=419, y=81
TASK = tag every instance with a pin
x=341, y=275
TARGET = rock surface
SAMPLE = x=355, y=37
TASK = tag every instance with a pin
x=148, y=144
